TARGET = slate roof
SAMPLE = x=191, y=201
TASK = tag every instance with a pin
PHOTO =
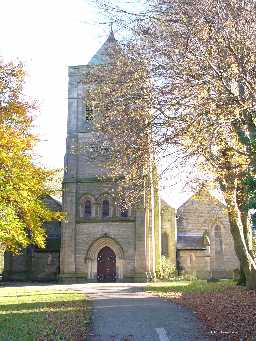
x=190, y=242
x=52, y=203
x=103, y=54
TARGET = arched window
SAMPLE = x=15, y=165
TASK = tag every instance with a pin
x=105, y=208
x=124, y=213
x=87, y=208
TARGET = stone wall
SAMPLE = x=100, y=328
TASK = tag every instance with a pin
x=16, y=266
x=31, y=266
x=169, y=232
x=194, y=262
x=45, y=266
x=203, y=213
x=121, y=232
x=33, y=263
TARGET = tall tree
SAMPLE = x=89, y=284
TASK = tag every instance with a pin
x=22, y=183
x=125, y=126
x=200, y=56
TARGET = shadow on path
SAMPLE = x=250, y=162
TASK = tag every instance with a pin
x=126, y=313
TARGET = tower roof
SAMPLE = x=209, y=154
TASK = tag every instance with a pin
x=102, y=56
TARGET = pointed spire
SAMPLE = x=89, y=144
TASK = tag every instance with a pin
x=102, y=55
x=111, y=36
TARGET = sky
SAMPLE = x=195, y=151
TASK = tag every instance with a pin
x=48, y=36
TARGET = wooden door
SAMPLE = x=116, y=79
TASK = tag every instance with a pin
x=106, y=265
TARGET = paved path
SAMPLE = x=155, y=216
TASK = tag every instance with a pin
x=123, y=312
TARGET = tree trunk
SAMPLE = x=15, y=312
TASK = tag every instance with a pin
x=247, y=263
x=242, y=278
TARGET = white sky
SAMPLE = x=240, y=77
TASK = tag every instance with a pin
x=47, y=36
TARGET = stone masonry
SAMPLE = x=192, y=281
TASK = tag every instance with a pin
x=87, y=195
x=205, y=246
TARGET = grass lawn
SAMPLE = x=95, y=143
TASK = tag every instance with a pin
x=181, y=287
x=38, y=315
x=227, y=311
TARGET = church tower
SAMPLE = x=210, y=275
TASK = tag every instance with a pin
x=100, y=242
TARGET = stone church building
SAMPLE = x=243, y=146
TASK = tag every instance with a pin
x=101, y=241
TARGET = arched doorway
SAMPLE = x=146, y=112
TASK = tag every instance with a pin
x=92, y=257
x=106, y=265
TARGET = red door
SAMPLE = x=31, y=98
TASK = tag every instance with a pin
x=106, y=265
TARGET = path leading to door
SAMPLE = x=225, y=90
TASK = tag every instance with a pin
x=123, y=312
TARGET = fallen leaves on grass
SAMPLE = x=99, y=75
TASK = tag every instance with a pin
x=227, y=315
x=41, y=314
x=67, y=321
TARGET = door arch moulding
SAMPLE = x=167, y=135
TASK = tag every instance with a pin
x=92, y=254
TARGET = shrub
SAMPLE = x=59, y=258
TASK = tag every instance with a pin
x=166, y=270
